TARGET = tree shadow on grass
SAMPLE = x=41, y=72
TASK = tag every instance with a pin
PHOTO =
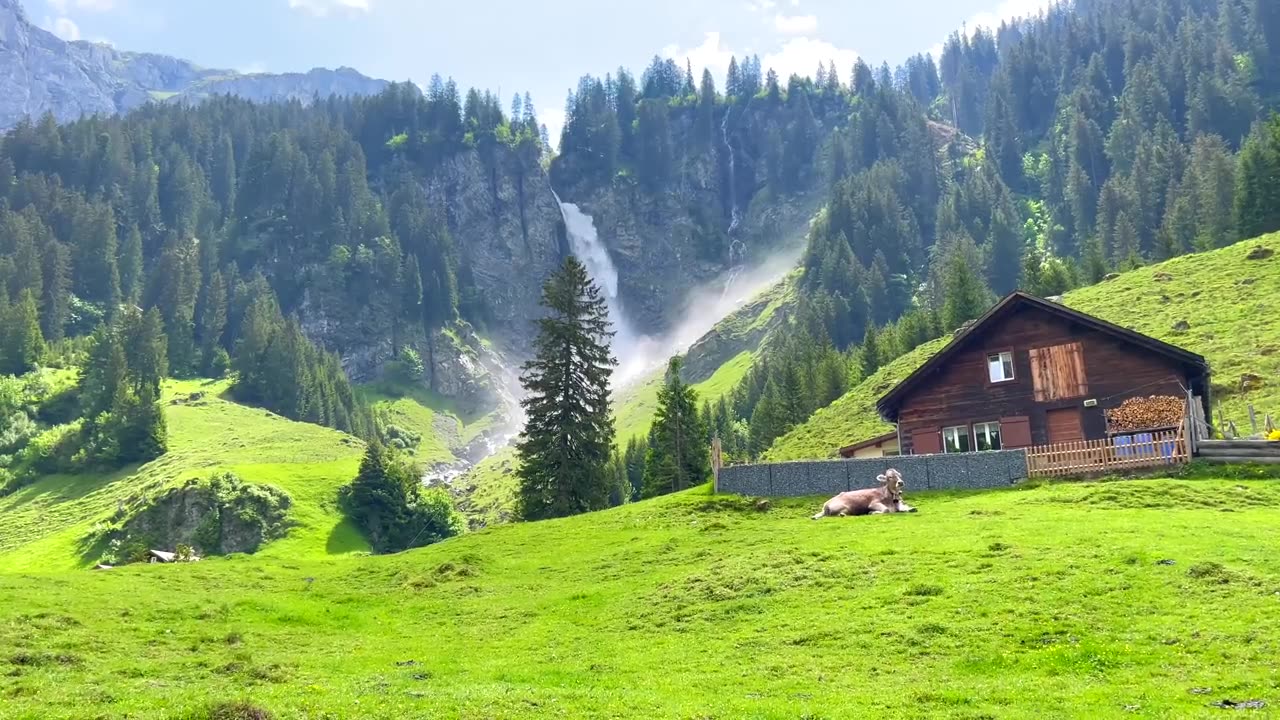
x=345, y=538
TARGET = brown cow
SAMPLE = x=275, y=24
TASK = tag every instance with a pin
x=875, y=501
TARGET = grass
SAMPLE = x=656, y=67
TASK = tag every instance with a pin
x=1091, y=600
x=635, y=405
x=445, y=428
x=1231, y=304
x=47, y=526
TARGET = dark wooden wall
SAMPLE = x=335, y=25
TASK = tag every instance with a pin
x=960, y=393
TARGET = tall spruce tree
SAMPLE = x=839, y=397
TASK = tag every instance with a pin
x=21, y=342
x=568, y=437
x=679, y=457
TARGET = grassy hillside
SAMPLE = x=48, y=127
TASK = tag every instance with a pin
x=1231, y=303
x=443, y=427
x=45, y=526
x=1096, y=600
x=853, y=417
x=634, y=406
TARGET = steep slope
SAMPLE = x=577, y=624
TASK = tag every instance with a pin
x=48, y=525
x=1015, y=603
x=1227, y=301
x=41, y=73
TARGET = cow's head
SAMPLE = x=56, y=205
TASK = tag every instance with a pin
x=893, y=483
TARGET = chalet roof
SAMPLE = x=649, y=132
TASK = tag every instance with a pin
x=888, y=405
x=849, y=450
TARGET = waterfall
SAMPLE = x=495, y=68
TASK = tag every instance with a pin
x=735, y=216
x=587, y=247
x=737, y=248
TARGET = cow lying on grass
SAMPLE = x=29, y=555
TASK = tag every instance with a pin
x=875, y=501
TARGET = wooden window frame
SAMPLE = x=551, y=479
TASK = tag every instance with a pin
x=968, y=434
x=986, y=366
x=987, y=424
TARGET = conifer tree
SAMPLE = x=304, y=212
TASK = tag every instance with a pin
x=679, y=457
x=965, y=295
x=21, y=342
x=568, y=436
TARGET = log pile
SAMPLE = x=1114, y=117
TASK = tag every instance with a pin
x=1145, y=413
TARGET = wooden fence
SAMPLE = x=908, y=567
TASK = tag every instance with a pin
x=1124, y=452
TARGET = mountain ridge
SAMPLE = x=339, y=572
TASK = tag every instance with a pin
x=41, y=73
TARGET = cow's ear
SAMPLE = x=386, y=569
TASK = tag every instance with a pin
x=882, y=478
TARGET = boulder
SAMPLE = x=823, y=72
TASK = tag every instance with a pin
x=216, y=516
x=1260, y=253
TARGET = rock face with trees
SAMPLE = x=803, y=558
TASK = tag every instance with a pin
x=304, y=247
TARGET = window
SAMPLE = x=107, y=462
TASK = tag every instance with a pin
x=956, y=439
x=1000, y=367
x=986, y=436
x=1058, y=372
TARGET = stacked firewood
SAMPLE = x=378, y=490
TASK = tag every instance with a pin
x=1142, y=413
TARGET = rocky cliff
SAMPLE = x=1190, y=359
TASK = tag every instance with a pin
x=41, y=73
x=509, y=231
x=712, y=219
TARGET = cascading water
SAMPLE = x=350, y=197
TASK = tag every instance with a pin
x=737, y=248
x=587, y=247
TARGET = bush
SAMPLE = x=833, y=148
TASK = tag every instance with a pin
x=407, y=368
x=387, y=503
x=218, y=364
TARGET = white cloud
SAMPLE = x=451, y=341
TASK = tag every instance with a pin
x=321, y=8
x=991, y=19
x=64, y=28
x=801, y=56
x=711, y=55
x=797, y=56
x=252, y=68
x=796, y=24
x=760, y=6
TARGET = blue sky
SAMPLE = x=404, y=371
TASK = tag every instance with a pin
x=541, y=47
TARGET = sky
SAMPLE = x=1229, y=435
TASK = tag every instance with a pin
x=534, y=46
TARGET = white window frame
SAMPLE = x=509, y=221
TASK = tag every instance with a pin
x=957, y=431
x=985, y=429
x=1000, y=359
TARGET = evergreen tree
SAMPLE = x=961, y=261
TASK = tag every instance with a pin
x=869, y=353
x=965, y=295
x=569, y=432
x=679, y=457
x=21, y=341
x=1257, y=201
x=386, y=502
x=131, y=266
x=55, y=299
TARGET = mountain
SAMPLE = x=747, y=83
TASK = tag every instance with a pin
x=41, y=73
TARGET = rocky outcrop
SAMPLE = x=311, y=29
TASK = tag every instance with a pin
x=509, y=232
x=670, y=243
x=41, y=73
x=745, y=330
x=216, y=516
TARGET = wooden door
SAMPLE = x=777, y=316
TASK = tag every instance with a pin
x=1064, y=425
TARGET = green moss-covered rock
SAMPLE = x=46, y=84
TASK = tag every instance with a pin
x=219, y=515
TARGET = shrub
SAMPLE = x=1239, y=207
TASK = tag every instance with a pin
x=387, y=503
x=407, y=368
x=218, y=364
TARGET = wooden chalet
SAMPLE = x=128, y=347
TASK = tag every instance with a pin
x=1031, y=372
